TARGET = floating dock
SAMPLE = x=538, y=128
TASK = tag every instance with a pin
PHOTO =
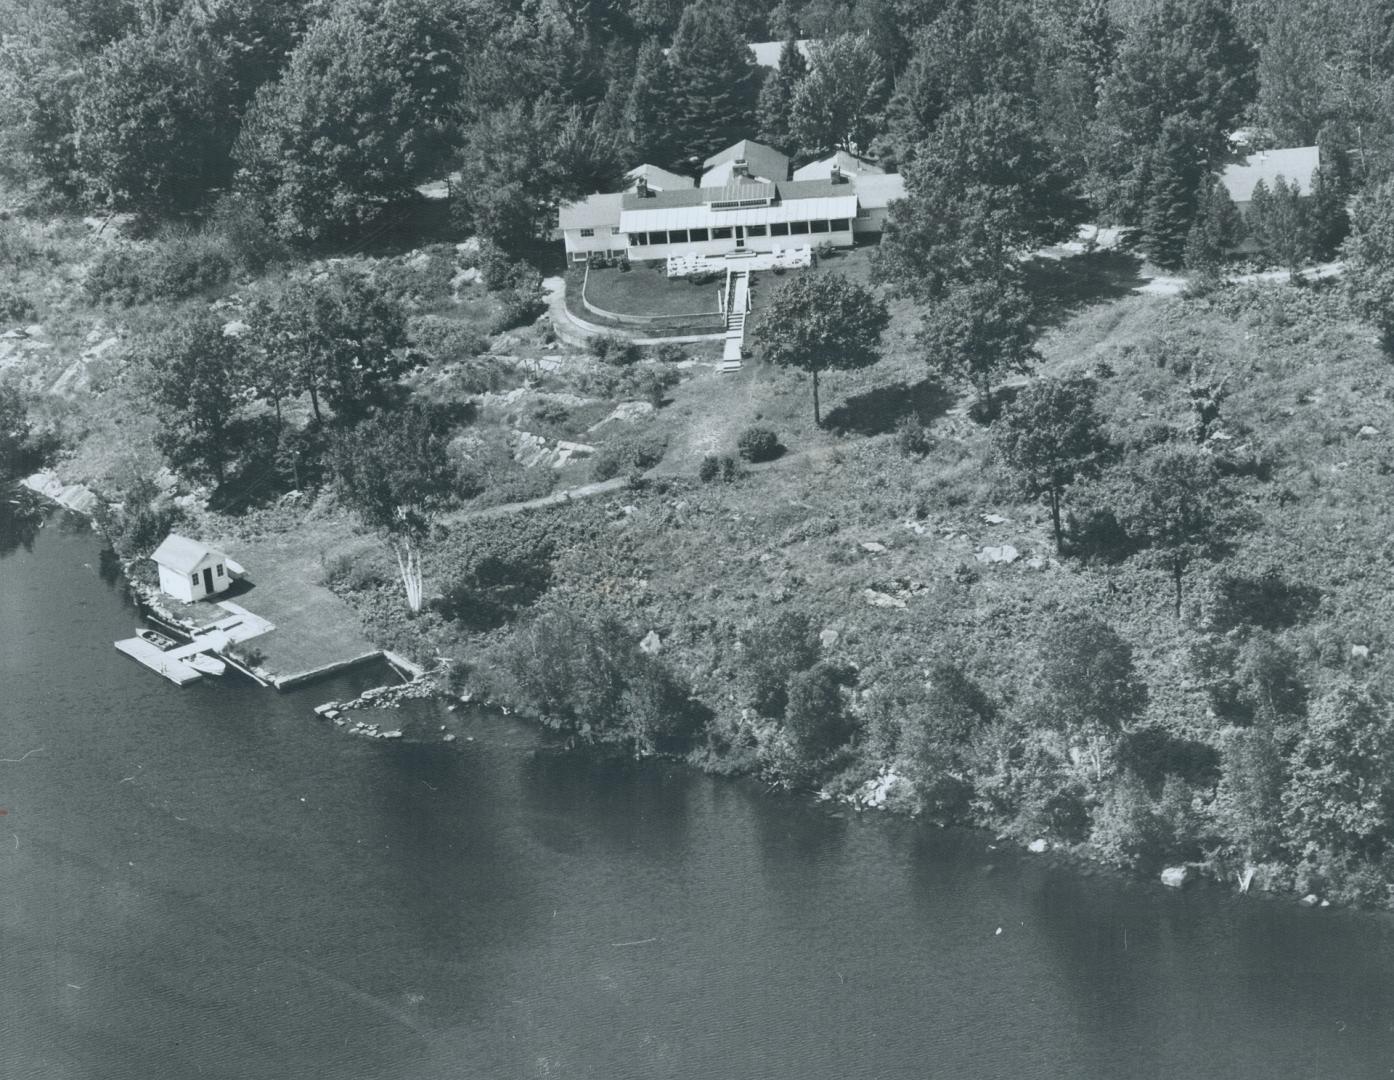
x=236, y=626
x=166, y=664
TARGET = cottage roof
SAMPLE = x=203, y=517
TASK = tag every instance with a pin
x=784, y=191
x=761, y=160
x=875, y=191
x=183, y=555
x=593, y=212
x=658, y=179
x=1295, y=164
x=767, y=53
x=849, y=164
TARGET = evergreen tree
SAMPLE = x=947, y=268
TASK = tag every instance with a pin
x=1217, y=230
x=648, y=111
x=1173, y=182
x=714, y=80
x=776, y=101
x=1278, y=222
x=1327, y=220
x=1183, y=64
x=1369, y=255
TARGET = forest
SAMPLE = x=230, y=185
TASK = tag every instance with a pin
x=1054, y=555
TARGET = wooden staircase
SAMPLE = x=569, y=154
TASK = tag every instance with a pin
x=737, y=305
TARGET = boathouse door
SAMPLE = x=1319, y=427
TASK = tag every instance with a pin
x=207, y=580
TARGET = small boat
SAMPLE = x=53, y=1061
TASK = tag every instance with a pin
x=156, y=639
x=209, y=665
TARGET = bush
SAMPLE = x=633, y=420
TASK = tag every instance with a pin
x=912, y=437
x=14, y=305
x=670, y=353
x=652, y=384
x=825, y=250
x=520, y=307
x=444, y=339
x=775, y=651
x=241, y=221
x=165, y=270
x=758, y=444
x=724, y=468
x=634, y=453
x=613, y=349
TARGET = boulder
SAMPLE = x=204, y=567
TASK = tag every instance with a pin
x=1003, y=553
x=880, y=599
x=1038, y=846
x=1360, y=652
x=1176, y=877
x=828, y=638
x=1368, y=432
x=1310, y=900
x=994, y=519
x=873, y=547
x=652, y=643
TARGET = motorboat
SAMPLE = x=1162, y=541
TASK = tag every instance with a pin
x=206, y=663
x=155, y=638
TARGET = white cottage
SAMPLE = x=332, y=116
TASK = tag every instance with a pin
x=191, y=570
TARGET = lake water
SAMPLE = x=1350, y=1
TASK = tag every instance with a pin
x=209, y=882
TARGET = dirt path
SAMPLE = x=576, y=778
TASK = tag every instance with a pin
x=1163, y=285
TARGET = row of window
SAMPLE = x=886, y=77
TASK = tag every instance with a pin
x=698, y=236
x=614, y=231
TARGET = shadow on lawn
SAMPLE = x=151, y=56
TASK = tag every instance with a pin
x=1063, y=287
x=879, y=410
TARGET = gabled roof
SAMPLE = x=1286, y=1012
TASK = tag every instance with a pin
x=876, y=190
x=850, y=164
x=767, y=53
x=596, y=211
x=658, y=179
x=1295, y=164
x=183, y=555
x=784, y=191
x=762, y=161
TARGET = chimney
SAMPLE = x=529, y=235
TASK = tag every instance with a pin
x=641, y=187
x=835, y=173
x=739, y=167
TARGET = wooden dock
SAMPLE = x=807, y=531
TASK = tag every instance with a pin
x=163, y=663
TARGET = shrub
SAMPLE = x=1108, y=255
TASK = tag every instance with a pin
x=241, y=221
x=776, y=650
x=444, y=339
x=633, y=453
x=709, y=469
x=165, y=270
x=519, y=308
x=653, y=384
x=825, y=250
x=14, y=305
x=670, y=353
x=758, y=444
x=815, y=719
x=613, y=349
x=912, y=437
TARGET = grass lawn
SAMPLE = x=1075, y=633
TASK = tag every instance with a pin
x=647, y=290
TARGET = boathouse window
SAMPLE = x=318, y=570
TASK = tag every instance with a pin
x=193, y=578
x=220, y=569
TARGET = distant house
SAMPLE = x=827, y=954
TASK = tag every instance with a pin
x=1295, y=164
x=191, y=570
x=840, y=162
x=744, y=205
x=655, y=179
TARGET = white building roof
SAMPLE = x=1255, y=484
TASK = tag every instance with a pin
x=1295, y=164
x=658, y=179
x=850, y=164
x=594, y=212
x=767, y=52
x=875, y=191
x=691, y=209
x=183, y=555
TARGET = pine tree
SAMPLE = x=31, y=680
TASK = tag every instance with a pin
x=776, y=101
x=714, y=80
x=648, y=113
x=1278, y=222
x=1173, y=180
x=1327, y=219
x=1218, y=229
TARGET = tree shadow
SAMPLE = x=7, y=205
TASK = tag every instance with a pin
x=879, y=410
x=1064, y=287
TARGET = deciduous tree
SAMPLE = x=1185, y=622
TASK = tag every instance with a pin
x=819, y=322
x=1049, y=437
x=838, y=105
x=394, y=472
x=979, y=331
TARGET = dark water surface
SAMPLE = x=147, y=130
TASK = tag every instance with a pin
x=208, y=882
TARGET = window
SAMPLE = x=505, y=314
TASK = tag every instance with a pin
x=722, y=234
x=838, y=224
x=220, y=569
x=658, y=238
x=739, y=204
x=779, y=228
x=194, y=578
x=677, y=236
x=636, y=238
x=587, y=232
x=818, y=226
x=614, y=230
x=798, y=228
x=697, y=236
x=754, y=230
x=863, y=212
